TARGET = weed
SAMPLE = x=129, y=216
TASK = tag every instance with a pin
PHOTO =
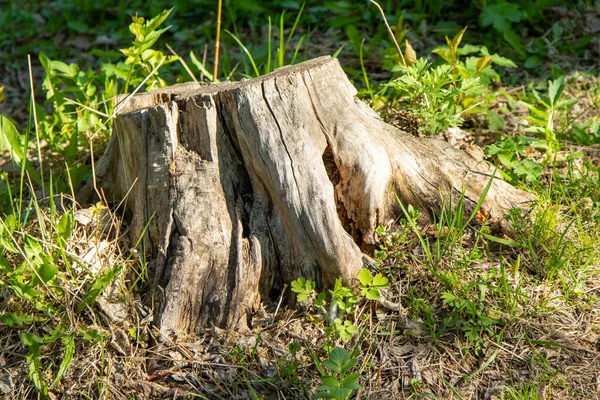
x=511, y=152
x=341, y=384
x=542, y=115
x=440, y=96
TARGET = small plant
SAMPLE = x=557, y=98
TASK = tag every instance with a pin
x=440, y=96
x=282, y=49
x=511, y=152
x=468, y=313
x=342, y=301
x=83, y=100
x=141, y=54
x=370, y=285
x=543, y=114
x=340, y=384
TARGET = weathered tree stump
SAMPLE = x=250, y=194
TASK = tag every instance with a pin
x=249, y=185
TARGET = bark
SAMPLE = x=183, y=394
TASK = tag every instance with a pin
x=246, y=186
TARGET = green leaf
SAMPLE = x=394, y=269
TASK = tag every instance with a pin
x=515, y=41
x=484, y=62
x=532, y=62
x=500, y=16
x=200, y=66
x=528, y=169
x=349, y=363
x=330, y=381
x=456, y=40
x=69, y=71
x=495, y=121
x=333, y=393
x=65, y=226
x=99, y=285
x=365, y=277
x=32, y=342
x=17, y=319
x=555, y=89
x=350, y=382
x=298, y=285
x=373, y=294
x=338, y=357
x=46, y=272
x=37, y=376
x=11, y=141
x=446, y=54
x=506, y=242
x=380, y=281
x=320, y=300
x=66, y=361
x=499, y=60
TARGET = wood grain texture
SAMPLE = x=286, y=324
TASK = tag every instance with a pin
x=252, y=184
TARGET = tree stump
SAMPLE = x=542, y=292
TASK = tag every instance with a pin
x=246, y=186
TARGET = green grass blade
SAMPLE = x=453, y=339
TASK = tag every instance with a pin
x=245, y=50
x=66, y=361
x=296, y=21
x=281, y=49
x=364, y=70
x=269, y=45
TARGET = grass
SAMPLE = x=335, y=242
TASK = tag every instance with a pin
x=464, y=313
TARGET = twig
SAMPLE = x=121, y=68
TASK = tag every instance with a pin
x=217, y=42
x=35, y=120
x=189, y=71
x=390, y=31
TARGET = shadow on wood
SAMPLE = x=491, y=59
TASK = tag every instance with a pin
x=252, y=184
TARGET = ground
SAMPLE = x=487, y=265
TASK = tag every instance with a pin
x=479, y=316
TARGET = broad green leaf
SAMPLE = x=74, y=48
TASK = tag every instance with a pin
x=24, y=290
x=330, y=381
x=500, y=16
x=32, y=247
x=69, y=71
x=333, y=393
x=446, y=54
x=528, y=169
x=365, y=277
x=65, y=226
x=46, y=272
x=380, y=281
x=470, y=49
x=372, y=294
x=337, y=358
x=11, y=141
x=508, y=160
x=557, y=30
x=349, y=363
x=32, y=342
x=298, y=285
x=350, y=382
x=503, y=61
x=555, y=89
